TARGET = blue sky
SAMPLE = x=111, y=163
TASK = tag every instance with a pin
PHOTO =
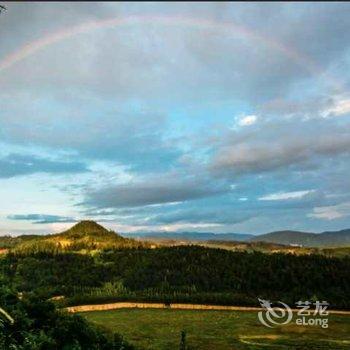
x=229, y=117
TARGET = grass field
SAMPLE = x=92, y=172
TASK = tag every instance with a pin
x=219, y=330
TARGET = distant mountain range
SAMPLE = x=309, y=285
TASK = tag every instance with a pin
x=191, y=236
x=307, y=239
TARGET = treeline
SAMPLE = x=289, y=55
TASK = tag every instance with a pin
x=71, y=244
x=181, y=274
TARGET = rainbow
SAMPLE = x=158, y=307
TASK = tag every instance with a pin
x=229, y=28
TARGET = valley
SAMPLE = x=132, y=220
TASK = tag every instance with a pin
x=210, y=289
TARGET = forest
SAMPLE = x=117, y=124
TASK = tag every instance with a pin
x=190, y=274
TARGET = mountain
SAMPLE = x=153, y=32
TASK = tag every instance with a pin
x=191, y=236
x=308, y=239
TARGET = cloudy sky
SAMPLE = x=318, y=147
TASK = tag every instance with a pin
x=230, y=117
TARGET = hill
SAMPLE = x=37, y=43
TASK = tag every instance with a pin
x=308, y=239
x=86, y=235
x=86, y=230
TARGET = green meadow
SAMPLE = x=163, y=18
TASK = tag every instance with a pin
x=218, y=330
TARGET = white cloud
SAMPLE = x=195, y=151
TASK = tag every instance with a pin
x=340, y=107
x=279, y=196
x=187, y=226
x=331, y=212
x=247, y=120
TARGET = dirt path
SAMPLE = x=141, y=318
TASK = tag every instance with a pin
x=128, y=305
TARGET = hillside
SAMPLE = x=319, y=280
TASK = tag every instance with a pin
x=286, y=238
x=263, y=247
x=9, y=242
x=324, y=239
x=181, y=274
x=86, y=235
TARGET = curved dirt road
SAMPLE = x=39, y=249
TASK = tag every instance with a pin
x=131, y=305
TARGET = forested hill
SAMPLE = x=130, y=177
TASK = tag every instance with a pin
x=88, y=229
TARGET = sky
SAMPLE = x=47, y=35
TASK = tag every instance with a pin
x=220, y=117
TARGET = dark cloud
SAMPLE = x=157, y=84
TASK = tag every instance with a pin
x=41, y=218
x=94, y=129
x=164, y=189
x=17, y=164
x=271, y=146
x=201, y=215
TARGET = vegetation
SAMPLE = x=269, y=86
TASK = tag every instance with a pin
x=218, y=330
x=7, y=242
x=38, y=325
x=263, y=247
